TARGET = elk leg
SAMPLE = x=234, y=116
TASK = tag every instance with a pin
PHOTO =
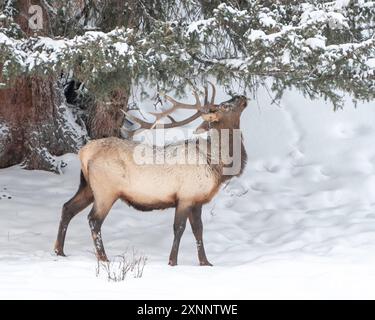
x=179, y=225
x=80, y=201
x=96, y=218
x=195, y=218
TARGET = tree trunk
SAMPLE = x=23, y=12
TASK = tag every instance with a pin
x=33, y=126
x=105, y=115
x=34, y=117
x=35, y=120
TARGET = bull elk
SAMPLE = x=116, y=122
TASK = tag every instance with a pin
x=109, y=172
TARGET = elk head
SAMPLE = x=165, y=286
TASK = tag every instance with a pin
x=226, y=115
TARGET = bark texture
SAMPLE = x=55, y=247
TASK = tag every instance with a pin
x=105, y=116
x=33, y=113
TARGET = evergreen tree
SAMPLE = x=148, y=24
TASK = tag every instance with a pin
x=103, y=48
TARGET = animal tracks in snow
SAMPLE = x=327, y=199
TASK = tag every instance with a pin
x=5, y=194
x=351, y=131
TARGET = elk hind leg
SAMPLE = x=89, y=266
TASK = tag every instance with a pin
x=80, y=201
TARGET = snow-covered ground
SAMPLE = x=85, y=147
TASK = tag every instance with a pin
x=300, y=222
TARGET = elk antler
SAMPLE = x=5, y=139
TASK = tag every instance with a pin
x=213, y=92
x=148, y=125
x=176, y=105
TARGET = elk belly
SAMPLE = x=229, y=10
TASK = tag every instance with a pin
x=158, y=187
x=198, y=185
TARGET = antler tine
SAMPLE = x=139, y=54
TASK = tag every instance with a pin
x=198, y=104
x=213, y=92
x=143, y=124
x=178, y=105
x=205, y=95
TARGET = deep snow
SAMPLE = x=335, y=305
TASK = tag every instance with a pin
x=300, y=222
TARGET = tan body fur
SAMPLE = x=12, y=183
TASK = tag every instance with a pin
x=110, y=170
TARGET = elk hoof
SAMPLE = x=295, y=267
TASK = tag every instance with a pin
x=60, y=252
x=206, y=263
x=102, y=258
x=172, y=263
x=59, y=249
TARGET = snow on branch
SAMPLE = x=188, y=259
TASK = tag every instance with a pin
x=299, y=44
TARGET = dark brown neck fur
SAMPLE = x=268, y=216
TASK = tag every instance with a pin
x=219, y=167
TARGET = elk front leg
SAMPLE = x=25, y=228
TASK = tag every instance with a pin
x=181, y=214
x=96, y=218
x=195, y=218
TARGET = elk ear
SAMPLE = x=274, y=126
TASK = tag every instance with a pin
x=203, y=127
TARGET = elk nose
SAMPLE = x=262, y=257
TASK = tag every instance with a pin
x=244, y=101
